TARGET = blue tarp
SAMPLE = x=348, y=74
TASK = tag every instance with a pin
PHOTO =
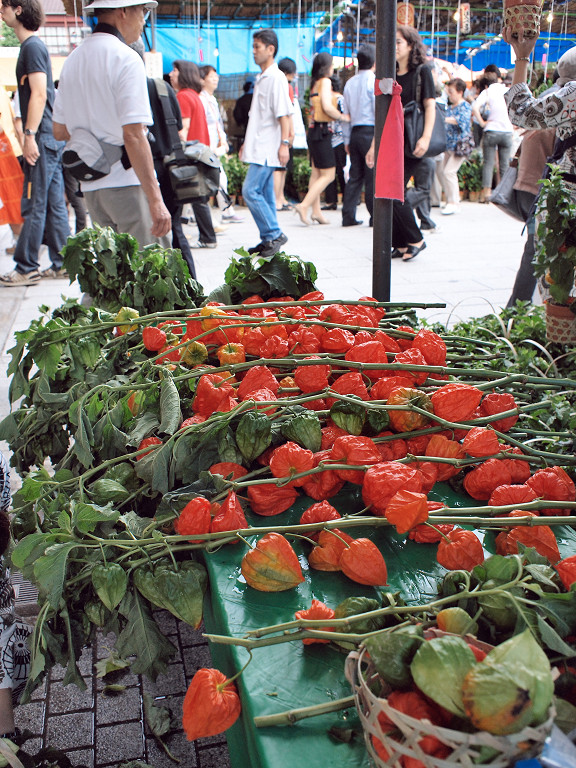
x=229, y=49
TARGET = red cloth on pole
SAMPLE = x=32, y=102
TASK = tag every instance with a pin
x=389, y=180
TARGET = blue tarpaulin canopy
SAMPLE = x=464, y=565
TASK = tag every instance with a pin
x=229, y=48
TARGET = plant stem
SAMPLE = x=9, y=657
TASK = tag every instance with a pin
x=292, y=716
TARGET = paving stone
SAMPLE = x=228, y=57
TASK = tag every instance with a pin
x=104, y=645
x=122, y=677
x=119, y=742
x=57, y=672
x=82, y=757
x=172, y=682
x=167, y=622
x=189, y=635
x=124, y=706
x=69, y=698
x=71, y=730
x=215, y=757
x=39, y=693
x=178, y=745
x=195, y=658
x=86, y=661
x=31, y=716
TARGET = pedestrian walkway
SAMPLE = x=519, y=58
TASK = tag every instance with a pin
x=470, y=265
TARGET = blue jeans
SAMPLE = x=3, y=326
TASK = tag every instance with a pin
x=43, y=207
x=490, y=141
x=258, y=194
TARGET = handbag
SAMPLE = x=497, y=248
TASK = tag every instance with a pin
x=193, y=168
x=505, y=196
x=464, y=146
x=414, y=124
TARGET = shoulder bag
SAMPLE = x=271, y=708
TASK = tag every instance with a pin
x=414, y=124
x=193, y=169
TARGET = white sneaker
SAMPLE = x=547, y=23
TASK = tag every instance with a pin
x=232, y=218
x=450, y=208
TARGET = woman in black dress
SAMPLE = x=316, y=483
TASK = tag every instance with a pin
x=322, y=158
x=410, y=56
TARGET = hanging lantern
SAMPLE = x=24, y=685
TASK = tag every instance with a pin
x=405, y=14
x=523, y=16
x=465, y=18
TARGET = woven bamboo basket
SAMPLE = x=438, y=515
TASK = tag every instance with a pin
x=370, y=692
x=523, y=16
x=560, y=324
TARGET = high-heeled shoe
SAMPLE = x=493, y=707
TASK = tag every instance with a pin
x=301, y=215
x=319, y=220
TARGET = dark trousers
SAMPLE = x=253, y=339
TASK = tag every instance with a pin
x=525, y=282
x=179, y=239
x=203, y=218
x=43, y=207
x=76, y=200
x=361, y=177
x=419, y=195
x=331, y=191
x=405, y=231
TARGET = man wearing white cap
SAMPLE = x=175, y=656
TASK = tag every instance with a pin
x=103, y=90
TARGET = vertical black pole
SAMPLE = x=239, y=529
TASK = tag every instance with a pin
x=385, y=67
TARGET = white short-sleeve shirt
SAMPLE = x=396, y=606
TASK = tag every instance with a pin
x=102, y=88
x=270, y=102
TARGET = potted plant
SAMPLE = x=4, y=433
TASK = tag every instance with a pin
x=555, y=259
x=470, y=176
x=236, y=172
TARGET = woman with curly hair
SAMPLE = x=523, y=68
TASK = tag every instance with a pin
x=413, y=75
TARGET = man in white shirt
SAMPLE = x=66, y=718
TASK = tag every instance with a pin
x=103, y=90
x=267, y=142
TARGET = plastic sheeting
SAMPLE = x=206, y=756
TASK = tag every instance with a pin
x=229, y=50
x=291, y=675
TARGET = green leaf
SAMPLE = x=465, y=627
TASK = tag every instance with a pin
x=158, y=719
x=169, y=406
x=85, y=517
x=50, y=571
x=34, y=484
x=392, y=653
x=439, y=668
x=181, y=592
x=82, y=440
x=110, y=582
x=551, y=639
x=112, y=663
x=142, y=638
x=565, y=715
x=145, y=425
x=501, y=569
x=134, y=523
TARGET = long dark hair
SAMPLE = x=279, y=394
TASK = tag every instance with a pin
x=321, y=64
x=188, y=75
x=417, y=47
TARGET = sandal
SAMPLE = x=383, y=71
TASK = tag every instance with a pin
x=397, y=253
x=412, y=251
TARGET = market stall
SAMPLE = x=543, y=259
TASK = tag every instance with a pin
x=182, y=429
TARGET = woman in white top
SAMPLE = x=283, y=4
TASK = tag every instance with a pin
x=218, y=138
x=498, y=131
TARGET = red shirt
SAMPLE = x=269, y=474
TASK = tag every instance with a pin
x=191, y=107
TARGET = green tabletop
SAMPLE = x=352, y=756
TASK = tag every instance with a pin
x=291, y=675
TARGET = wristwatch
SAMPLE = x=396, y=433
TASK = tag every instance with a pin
x=28, y=132
x=286, y=142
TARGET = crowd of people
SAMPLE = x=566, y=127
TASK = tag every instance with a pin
x=131, y=132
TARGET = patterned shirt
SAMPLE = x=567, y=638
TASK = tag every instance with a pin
x=462, y=113
x=553, y=110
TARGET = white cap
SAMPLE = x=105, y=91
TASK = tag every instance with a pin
x=104, y=5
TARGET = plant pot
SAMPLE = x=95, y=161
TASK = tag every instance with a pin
x=463, y=194
x=474, y=195
x=560, y=323
x=523, y=16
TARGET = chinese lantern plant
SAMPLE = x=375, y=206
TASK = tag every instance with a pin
x=555, y=258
